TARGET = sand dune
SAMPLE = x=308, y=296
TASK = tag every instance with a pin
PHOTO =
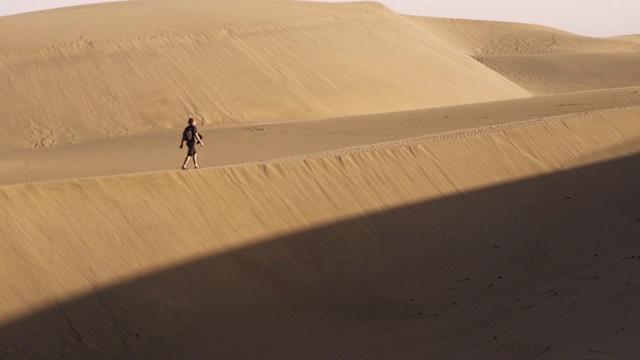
x=540, y=59
x=373, y=185
x=302, y=66
x=634, y=38
x=491, y=38
x=151, y=222
x=561, y=73
x=158, y=150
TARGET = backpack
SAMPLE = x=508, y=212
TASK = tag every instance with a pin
x=187, y=134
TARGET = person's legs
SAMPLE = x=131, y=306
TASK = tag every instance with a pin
x=184, y=164
x=195, y=161
x=191, y=152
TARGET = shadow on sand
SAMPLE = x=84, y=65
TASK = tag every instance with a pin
x=533, y=268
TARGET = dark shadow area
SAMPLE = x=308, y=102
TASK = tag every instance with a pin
x=530, y=269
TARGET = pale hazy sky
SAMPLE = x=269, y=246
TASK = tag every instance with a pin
x=585, y=17
x=10, y=7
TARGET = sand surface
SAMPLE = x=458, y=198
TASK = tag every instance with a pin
x=543, y=60
x=372, y=185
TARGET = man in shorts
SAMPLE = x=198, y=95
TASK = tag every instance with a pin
x=191, y=136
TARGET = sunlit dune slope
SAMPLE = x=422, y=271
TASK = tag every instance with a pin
x=543, y=60
x=232, y=145
x=633, y=38
x=64, y=239
x=569, y=72
x=106, y=74
x=486, y=38
x=372, y=186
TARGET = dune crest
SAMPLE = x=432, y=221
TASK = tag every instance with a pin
x=314, y=66
x=372, y=185
x=491, y=38
x=543, y=60
x=157, y=221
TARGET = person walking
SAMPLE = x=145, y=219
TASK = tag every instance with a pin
x=191, y=136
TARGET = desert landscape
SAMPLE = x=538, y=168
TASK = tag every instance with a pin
x=372, y=185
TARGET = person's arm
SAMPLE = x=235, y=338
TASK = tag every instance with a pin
x=181, y=143
x=199, y=139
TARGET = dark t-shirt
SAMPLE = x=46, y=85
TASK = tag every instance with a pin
x=194, y=131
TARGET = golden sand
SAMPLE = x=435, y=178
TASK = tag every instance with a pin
x=372, y=185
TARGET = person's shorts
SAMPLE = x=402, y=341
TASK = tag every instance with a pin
x=192, y=149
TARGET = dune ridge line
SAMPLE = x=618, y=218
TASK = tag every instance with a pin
x=360, y=183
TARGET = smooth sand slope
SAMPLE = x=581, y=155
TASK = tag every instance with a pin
x=483, y=245
x=368, y=190
x=158, y=150
x=95, y=80
x=477, y=38
x=543, y=60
